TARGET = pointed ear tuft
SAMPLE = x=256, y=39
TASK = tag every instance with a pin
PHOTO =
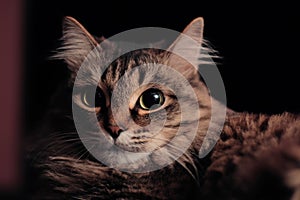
x=195, y=29
x=187, y=46
x=76, y=45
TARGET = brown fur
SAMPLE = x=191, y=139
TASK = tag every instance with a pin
x=256, y=157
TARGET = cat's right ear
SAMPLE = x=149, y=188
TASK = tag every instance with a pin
x=188, y=45
x=77, y=43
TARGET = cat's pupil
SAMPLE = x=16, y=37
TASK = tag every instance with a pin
x=152, y=98
x=90, y=97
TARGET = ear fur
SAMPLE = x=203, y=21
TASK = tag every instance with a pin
x=188, y=44
x=77, y=43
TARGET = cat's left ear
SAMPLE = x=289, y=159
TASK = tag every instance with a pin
x=188, y=44
x=77, y=43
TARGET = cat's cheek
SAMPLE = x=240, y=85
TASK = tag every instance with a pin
x=122, y=140
x=102, y=131
x=123, y=146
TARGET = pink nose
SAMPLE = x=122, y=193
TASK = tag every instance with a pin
x=114, y=131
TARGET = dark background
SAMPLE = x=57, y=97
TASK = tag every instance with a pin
x=259, y=45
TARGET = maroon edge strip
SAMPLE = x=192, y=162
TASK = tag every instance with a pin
x=10, y=68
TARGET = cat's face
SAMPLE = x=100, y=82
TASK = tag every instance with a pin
x=136, y=105
x=154, y=113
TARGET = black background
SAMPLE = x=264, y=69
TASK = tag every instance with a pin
x=259, y=45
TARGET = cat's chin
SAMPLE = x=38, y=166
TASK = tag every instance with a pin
x=138, y=162
x=127, y=161
x=134, y=159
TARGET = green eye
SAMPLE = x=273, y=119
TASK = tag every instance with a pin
x=90, y=96
x=152, y=98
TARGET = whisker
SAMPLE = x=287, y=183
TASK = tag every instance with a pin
x=195, y=177
x=85, y=151
x=167, y=142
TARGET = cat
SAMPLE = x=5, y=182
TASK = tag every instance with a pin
x=256, y=156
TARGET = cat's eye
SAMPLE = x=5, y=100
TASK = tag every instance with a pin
x=92, y=98
x=151, y=99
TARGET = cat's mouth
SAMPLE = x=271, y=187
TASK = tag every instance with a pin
x=136, y=147
x=131, y=148
x=137, y=144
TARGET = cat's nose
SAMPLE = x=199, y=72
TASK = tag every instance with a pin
x=114, y=131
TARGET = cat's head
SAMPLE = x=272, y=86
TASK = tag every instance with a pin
x=143, y=99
